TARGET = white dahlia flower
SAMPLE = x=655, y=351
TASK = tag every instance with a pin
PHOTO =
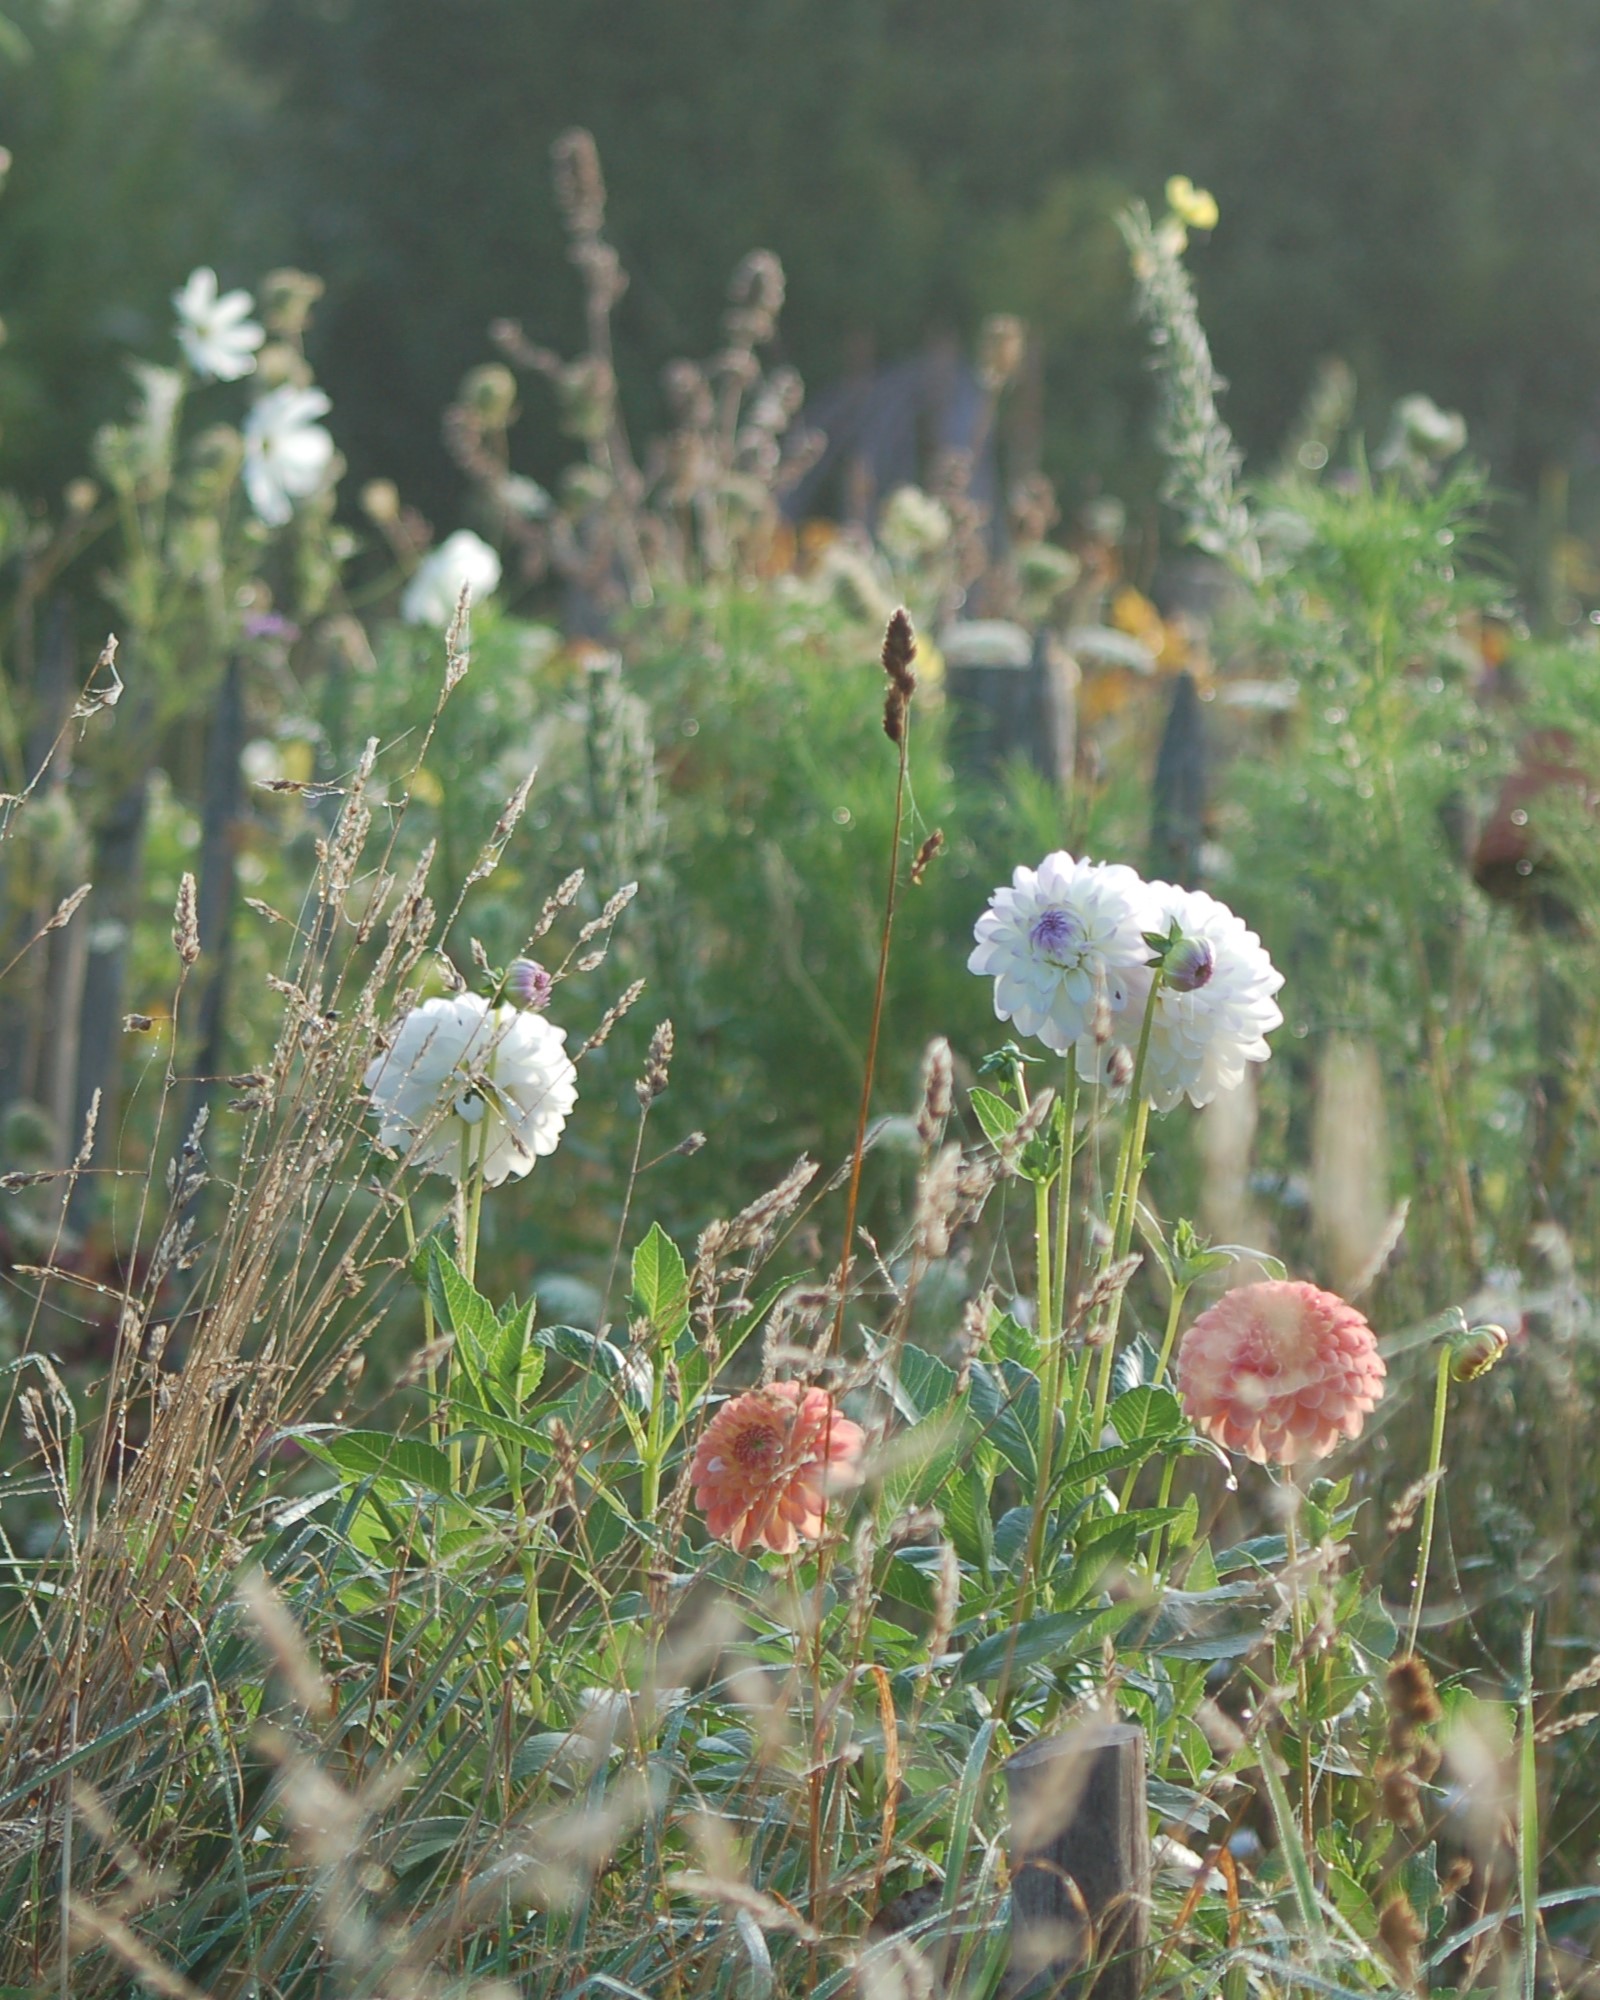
x=1063, y=937
x=433, y=592
x=218, y=338
x=458, y=1064
x=1215, y=1009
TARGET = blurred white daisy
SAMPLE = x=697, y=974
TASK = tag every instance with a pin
x=458, y=1064
x=216, y=333
x=435, y=589
x=287, y=453
x=1215, y=1009
x=913, y=524
x=1065, y=944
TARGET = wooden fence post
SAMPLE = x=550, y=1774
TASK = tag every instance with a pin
x=1080, y=1865
x=1012, y=694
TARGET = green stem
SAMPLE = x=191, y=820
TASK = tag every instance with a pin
x=472, y=1158
x=1302, y=1680
x=1049, y=1392
x=1169, y=1340
x=1125, y=1204
x=430, y=1333
x=653, y=1453
x=1419, y=1583
x=530, y=1587
x=1528, y=1823
x=1125, y=1201
x=1069, y=1122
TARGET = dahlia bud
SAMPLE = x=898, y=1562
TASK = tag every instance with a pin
x=1189, y=964
x=1475, y=1352
x=529, y=985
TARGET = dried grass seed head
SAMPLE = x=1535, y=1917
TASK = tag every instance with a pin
x=657, y=1065
x=938, y=1091
x=186, y=921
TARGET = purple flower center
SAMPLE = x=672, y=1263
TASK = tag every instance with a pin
x=1058, y=936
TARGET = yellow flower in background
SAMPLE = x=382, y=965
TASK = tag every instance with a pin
x=1195, y=206
x=1133, y=613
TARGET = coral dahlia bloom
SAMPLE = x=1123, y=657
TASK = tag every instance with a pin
x=1280, y=1372
x=767, y=1463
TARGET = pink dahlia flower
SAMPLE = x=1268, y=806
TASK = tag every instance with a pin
x=767, y=1462
x=1280, y=1372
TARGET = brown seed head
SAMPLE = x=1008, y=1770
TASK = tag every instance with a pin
x=925, y=854
x=1401, y=1933
x=1398, y=1784
x=899, y=650
x=1412, y=1699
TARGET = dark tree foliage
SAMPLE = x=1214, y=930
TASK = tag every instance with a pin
x=137, y=141
x=1407, y=183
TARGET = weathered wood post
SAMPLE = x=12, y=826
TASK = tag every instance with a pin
x=1080, y=1865
x=1013, y=694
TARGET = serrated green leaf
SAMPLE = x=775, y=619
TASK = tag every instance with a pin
x=584, y=1349
x=516, y=1364
x=1146, y=1413
x=1106, y=1542
x=375, y=1454
x=928, y=1384
x=1010, y=1340
x=1185, y=1526
x=966, y=1518
x=922, y=1458
x=962, y=1813
x=463, y=1311
x=507, y=1430
x=1092, y=1465
x=1011, y=1536
x=1055, y=1637
x=661, y=1283
x=1213, y=1646
x=909, y=1581
x=1134, y=1366
x=991, y=1406
x=998, y=1118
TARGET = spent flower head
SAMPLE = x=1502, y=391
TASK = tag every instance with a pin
x=466, y=1082
x=215, y=331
